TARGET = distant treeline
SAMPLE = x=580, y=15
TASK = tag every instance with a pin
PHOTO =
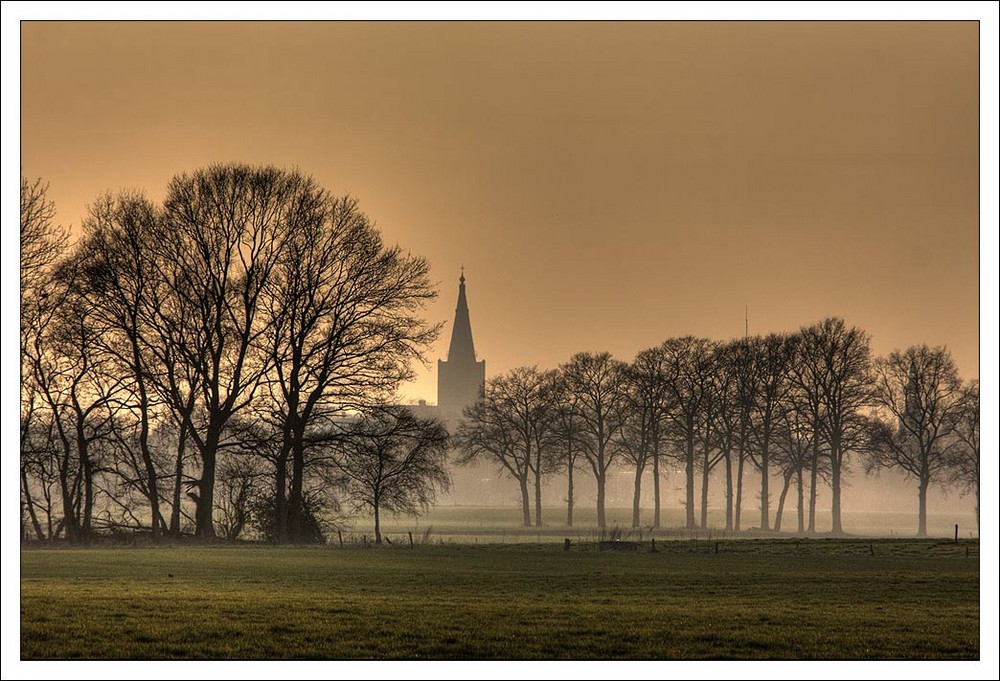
x=796, y=408
x=227, y=360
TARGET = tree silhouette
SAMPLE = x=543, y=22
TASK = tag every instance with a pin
x=512, y=425
x=597, y=383
x=391, y=460
x=918, y=389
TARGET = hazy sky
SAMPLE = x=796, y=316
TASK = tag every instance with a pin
x=605, y=185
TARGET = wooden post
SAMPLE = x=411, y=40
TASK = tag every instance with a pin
x=956, y=533
x=566, y=544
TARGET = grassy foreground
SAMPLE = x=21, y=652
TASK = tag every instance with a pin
x=748, y=599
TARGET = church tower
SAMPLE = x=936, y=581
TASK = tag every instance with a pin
x=460, y=377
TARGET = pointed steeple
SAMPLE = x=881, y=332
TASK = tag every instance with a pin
x=460, y=377
x=462, y=349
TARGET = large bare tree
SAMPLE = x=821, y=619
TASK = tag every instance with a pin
x=345, y=330
x=224, y=230
x=918, y=390
x=117, y=275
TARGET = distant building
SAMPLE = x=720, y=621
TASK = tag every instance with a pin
x=460, y=377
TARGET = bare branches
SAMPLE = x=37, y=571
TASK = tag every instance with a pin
x=921, y=394
x=393, y=461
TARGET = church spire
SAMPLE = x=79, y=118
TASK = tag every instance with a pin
x=460, y=377
x=462, y=348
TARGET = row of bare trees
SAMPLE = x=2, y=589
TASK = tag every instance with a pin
x=249, y=330
x=794, y=408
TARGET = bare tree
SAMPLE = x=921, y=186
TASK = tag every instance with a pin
x=809, y=377
x=42, y=244
x=597, y=382
x=730, y=428
x=393, y=461
x=689, y=366
x=771, y=357
x=569, y=437
x=641, y=429
x=512, y=424
x=78, y=388
x=964, y=464
x=920, y=391
x=346, y=328
x=835, y=369
x=117, y=274
x=224, y=229
x=792, y=456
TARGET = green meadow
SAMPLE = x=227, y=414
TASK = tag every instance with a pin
x=701, y=599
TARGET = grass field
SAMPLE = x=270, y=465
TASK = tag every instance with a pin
x=690, y=599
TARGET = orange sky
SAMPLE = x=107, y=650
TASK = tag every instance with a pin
x=606, y=185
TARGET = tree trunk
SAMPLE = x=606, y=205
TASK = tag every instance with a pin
x=86, y=517
x=295, y=499
x=66, y=492
x=656, y=488
x=600, y=500
x=204, y=525
x=813, y=478
x=635, y=495
x=837, y=528
x=922, y=508
x=152, y=484
x=689, y=472
x=765, y=481
x=175, y=511
x=525, y=500
x=281, y=495
x=31, y=505
x=729, y=490
x=799, y=503
x=378, y=527
x=569, y=495
x=538, y=494
x=704, y=495
x=739, y=492
x=781, y=501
